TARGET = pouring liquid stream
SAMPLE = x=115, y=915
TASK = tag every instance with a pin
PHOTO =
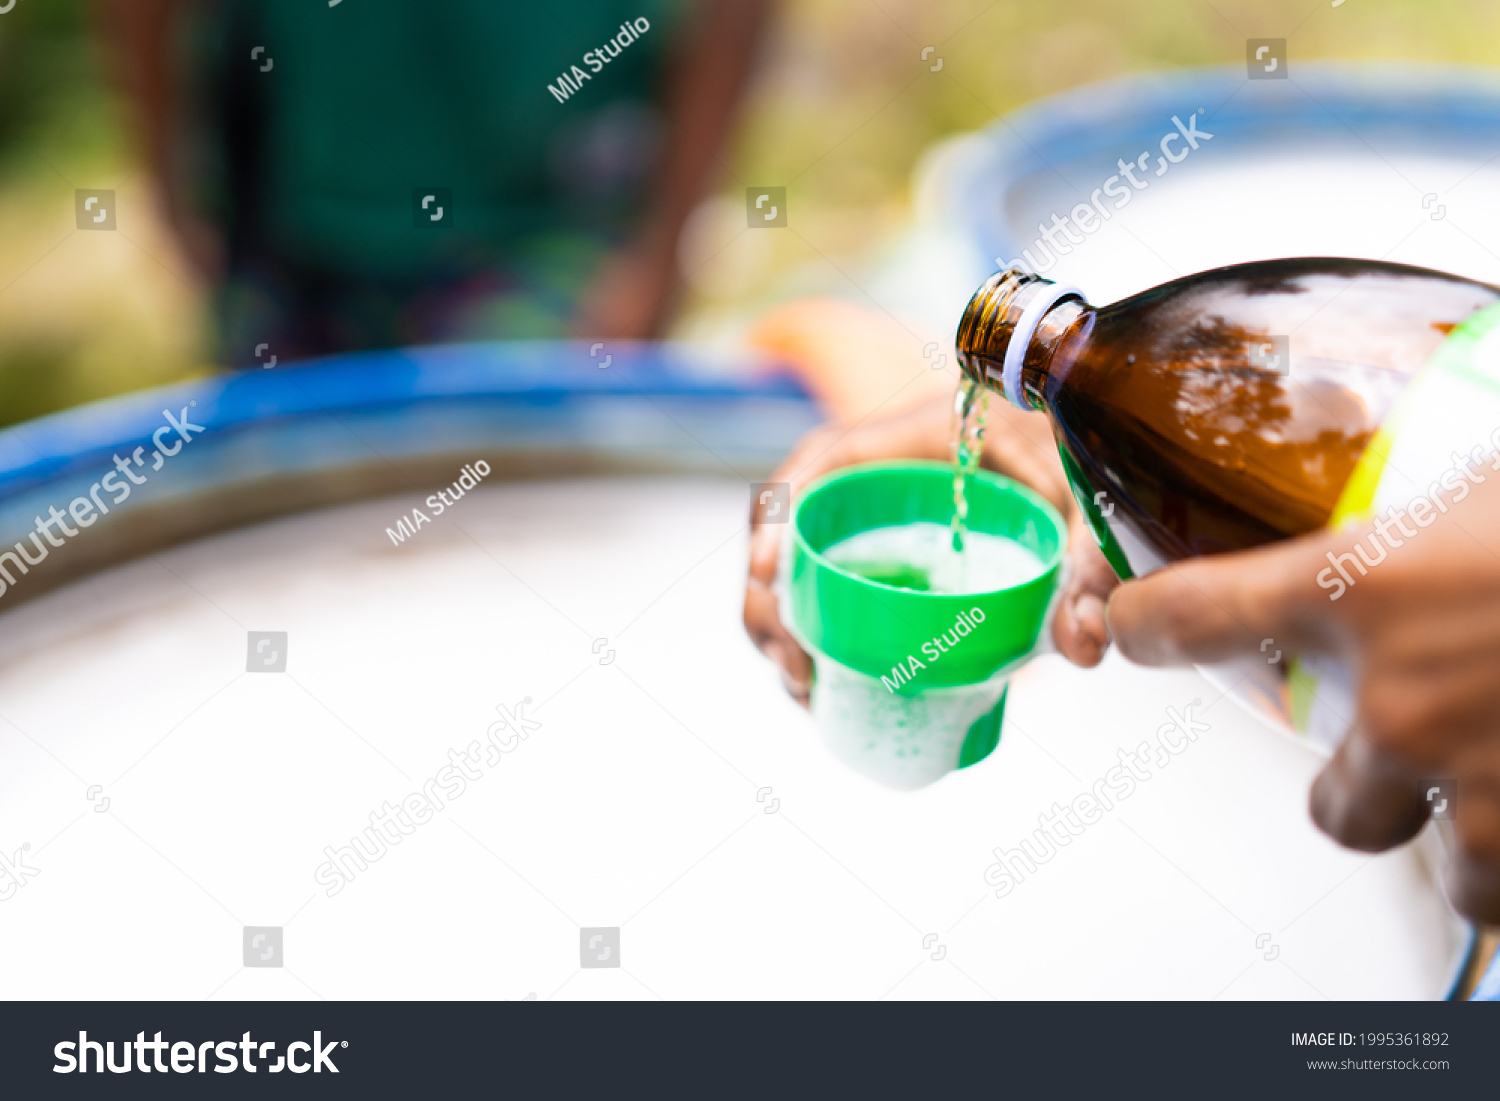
x=929, y=557
x=970, y=404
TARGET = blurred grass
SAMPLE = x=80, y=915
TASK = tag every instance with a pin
x=846, y=105
x=841, y=111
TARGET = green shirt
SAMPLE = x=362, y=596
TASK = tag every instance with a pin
x=370, y=105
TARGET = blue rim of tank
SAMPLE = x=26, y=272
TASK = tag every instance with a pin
x=535, y=377
x=360, y=425
x=389, y=405
x=1413, y=106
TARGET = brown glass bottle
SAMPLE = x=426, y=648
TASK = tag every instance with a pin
x=1185, y=422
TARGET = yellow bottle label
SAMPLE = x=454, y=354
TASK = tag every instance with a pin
x=1443, y=432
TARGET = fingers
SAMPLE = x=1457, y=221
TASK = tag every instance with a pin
x=763, y=624
x=1020, y=446
x=765, y=549
x=816, y=454
x=1216, y=608
x=1473, y=886
x=1473, y=880
x=1365, y=799
x=813, y=453
x=1078, y=627
x=920, y=433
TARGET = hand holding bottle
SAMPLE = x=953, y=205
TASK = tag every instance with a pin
x=1422, y=632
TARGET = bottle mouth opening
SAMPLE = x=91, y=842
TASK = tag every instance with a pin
x=998, y=324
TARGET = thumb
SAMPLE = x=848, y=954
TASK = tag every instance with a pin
x=1078, y=628
x=1225, y=606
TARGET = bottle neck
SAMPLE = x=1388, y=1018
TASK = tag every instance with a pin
x=1011, y=330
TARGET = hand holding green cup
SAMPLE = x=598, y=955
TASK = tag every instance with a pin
x=910, y=680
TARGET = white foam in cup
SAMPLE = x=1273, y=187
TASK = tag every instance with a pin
x=908, y=742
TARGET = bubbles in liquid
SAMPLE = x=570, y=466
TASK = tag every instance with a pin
x=970, y=404
x=901, y=742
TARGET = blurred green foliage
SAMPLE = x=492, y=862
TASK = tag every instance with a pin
x=48, y=84
x=845, y=106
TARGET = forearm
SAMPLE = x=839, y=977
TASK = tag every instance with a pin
x=141, y=39
x=137, y=36
x=713, y=61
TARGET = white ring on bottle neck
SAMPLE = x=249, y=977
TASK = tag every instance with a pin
x=1020, y=338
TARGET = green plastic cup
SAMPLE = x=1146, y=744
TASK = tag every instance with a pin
x=883, y=703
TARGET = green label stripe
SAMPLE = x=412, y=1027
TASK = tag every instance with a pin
x=1113, y=554
x=1456, y=354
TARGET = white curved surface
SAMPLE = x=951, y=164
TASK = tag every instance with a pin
x=1235, y=199
x=635, y=803
x=1228, y=204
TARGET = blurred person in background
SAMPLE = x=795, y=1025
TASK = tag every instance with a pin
x=292, y=144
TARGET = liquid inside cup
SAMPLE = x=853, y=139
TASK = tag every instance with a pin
x=920, y=556
x=914, y=642
x=907, y=742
